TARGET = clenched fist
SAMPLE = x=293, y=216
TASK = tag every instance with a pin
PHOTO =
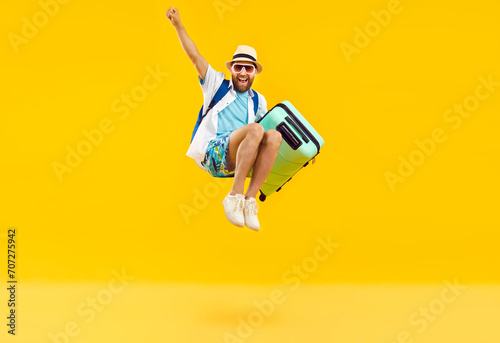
x=173, y=16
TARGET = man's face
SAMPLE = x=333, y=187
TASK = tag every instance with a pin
x=242, y=81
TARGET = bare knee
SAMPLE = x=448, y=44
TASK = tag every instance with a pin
x=272, y=138
x=256, y=131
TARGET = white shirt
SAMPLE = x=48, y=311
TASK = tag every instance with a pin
x=208, y=127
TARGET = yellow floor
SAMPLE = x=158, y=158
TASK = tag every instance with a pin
x=131, y=311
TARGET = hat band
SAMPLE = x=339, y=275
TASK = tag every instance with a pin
x=246, y=56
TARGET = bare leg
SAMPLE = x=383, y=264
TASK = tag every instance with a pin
x=242, y=151
x=264, y=162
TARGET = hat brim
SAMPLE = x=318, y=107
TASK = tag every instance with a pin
x=242, y=59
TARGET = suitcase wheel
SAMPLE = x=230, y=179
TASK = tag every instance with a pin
x=262, y=197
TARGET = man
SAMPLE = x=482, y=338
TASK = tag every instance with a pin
x=228, y=141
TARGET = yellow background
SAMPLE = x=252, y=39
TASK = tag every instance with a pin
x=122, y=205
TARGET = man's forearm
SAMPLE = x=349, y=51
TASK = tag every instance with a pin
x=187, y=43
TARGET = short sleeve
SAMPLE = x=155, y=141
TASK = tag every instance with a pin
x=262, y=110
x=211, y=82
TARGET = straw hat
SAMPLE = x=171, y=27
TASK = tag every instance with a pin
x=245, y=53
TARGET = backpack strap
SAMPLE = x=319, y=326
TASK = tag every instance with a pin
x=255, y=102
x=221, y=92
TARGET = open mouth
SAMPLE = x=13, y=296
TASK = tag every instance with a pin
x=242, y=81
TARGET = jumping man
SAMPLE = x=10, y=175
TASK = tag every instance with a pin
x=228, y=142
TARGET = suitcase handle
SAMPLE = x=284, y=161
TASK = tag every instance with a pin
x=292, y=122
x=288, y=135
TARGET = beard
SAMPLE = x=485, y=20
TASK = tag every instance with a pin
x=242, y=88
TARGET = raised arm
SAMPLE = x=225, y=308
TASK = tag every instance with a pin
x=200, y=63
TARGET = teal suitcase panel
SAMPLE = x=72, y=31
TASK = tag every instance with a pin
x=300, y=143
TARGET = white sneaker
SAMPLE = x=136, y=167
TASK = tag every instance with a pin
x=233, y=206
x=250, y=211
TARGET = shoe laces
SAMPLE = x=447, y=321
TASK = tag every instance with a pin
x=239, y=203
x=253, y=207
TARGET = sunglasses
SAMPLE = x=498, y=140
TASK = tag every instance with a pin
x=238, y=68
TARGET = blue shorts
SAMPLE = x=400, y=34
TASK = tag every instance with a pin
x=215, y=158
